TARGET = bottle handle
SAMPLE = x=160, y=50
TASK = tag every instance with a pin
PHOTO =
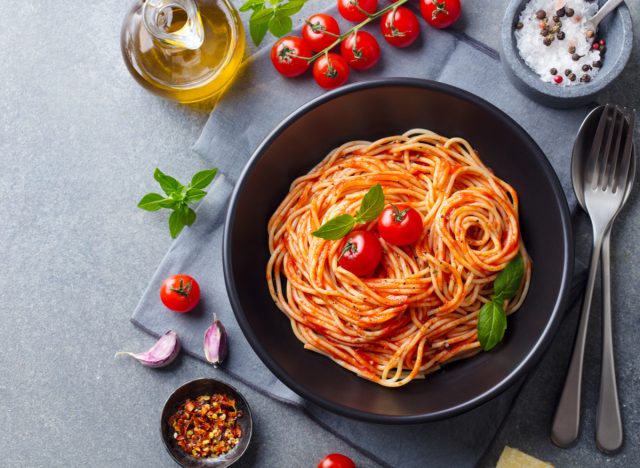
x=157, y=14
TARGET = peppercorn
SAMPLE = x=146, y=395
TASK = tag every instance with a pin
x=557, y=79
x=544, y=31
x=595, y=46
x=586, y=67
x=572, y=49
x=597, y=64
x=561, y=12
x=540, y=14
x=548, y=40
x=560, y=35
x=567, y=72
x=569, y=12
x=589, y=33
x=556, y=19
x=585, y=78
x=576, y=57
x=553, y=71
x=601, y=42
x=572, y=76
x=519, y=25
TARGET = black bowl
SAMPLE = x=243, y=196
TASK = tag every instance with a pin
x=192, y=390
x=367, y=111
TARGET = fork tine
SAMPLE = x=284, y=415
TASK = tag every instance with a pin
x=623, y=174
x=597, y=145
x=611, y=175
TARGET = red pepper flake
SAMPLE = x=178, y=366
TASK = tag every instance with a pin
x=207, y=426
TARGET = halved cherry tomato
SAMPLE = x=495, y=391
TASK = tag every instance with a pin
x=285, y=55
x=400, y=29
x=440, y=13
x=320, y=31
x=180, y=293
x=351, y=12
x=361, y=50
x=336, y=460
x=331, y=71
x=400, y=224
x=361, y=253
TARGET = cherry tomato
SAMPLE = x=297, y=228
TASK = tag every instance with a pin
x=336, y=460
x=440, y=13
x=285, y=53
x=361, y=253
x=351, y=12
x=400, y=224
x=315, y=31
x=361, y=50
x=180, y=293
x=401, y=29
x=331, y=71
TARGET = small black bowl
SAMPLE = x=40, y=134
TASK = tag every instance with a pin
x=192, y=390
x=368, y=111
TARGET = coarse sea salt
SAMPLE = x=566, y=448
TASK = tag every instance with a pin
x=542, y=58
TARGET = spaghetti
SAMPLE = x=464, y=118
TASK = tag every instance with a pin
x=420, y=308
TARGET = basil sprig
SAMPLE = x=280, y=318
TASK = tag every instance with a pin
x=178, y=198
x=492, y=320
x=270, y=16
x=370, y=208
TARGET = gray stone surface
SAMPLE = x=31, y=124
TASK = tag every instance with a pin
x=78, y=143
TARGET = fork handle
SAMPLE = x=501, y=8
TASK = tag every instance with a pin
x=608, y=420
x=566, y=422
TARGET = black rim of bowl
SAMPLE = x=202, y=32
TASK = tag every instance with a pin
x=213, y=462
x=527, y=363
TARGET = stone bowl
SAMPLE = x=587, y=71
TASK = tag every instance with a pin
x=616, y=29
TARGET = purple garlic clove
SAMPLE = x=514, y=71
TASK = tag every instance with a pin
x=161, y=354
x=216, y=345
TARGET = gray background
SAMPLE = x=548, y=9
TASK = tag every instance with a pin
x=79, y=140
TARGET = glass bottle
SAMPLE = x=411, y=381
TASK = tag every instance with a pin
x=185, y=50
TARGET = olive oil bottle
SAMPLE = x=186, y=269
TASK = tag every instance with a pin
x=185, y=50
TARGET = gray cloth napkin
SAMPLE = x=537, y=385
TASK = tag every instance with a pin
x=257, y=102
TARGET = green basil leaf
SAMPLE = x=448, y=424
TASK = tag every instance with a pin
x=258, y=31
x=509, y=280
x=203, y=178
x=167, y=183
x=187, y=215
x=336, y=228
x=251, y=5
x=492, y=323
x=290, y=8
x=262, y=16
x=175, y=223
x=168, y=203
x=194, y=195
x=372, y=205
x=151, y=202
x=280, y=25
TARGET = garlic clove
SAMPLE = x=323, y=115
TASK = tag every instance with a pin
x=160, y=354
x=216, y=346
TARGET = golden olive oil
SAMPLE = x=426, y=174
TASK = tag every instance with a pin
x=163, y=56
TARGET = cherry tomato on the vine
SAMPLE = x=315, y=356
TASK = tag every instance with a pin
x=320, y=31
x=336, y=460
x=360, y=253
x=349, y=9
x=400, y=224
x=285, y=55
x=361, y=50
x=440, y=13
x=400, y=29
x=180, y=293
x=331, y=71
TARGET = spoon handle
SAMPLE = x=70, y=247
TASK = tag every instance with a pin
x=604, y=11
x=608, y=420
x=566, y=422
